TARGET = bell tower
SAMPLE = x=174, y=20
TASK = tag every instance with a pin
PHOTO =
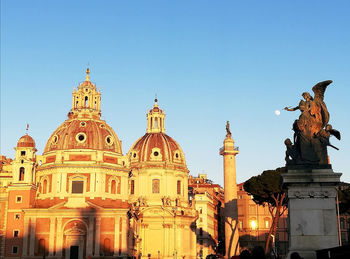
x=24, y=162
x=155, y=119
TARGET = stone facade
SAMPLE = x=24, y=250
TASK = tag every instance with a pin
x=209, y=202
x=312, y=210
x=83, y=198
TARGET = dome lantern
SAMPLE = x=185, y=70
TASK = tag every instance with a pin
x=86, y=99
x=155, y=119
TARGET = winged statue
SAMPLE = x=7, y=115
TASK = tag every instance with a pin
x=311, y=129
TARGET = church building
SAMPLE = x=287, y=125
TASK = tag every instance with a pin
x=84, y=198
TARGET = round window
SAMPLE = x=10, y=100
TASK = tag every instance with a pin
x=134, y=155
x=102, y=126
x=177, y=155
x=55, y=139
x=83, y=124
x=109, y=140
x=81, y=137
x=156, y=153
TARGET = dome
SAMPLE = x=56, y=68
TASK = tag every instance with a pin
x=79, y=133
x=157, y=149
x=26, y=141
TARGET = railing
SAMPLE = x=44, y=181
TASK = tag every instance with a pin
x=222, y=149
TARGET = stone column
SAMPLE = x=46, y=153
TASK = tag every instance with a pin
x=32, y=236
x=25, y=236
x=52, y=235
x=59, y=237
x=90, y=237
x=116, y=235
x=97, y=237
x=312, y=215
x=229, y=152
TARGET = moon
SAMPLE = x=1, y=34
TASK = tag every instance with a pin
x=277, y=112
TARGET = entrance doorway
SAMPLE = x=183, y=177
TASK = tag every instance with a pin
x=74, y=252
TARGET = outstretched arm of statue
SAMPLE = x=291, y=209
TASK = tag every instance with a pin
x=291, y=109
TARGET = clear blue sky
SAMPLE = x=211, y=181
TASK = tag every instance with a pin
x=207, y=61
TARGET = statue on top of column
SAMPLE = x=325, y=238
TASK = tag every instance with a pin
x=311, y=130
x=228, y=132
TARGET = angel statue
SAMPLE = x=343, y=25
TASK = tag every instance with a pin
x=311, y=130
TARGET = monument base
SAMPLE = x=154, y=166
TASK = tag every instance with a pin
x=312, y=212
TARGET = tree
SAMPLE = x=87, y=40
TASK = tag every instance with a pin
x=344, y=198
x=267, y=190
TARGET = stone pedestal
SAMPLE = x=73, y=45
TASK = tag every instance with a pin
x=312, y=213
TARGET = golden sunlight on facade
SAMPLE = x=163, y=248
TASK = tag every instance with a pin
x=83, y=198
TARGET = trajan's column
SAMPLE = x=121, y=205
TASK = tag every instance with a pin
x=229, y=152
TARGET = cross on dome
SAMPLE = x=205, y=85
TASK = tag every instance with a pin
x=87, y=78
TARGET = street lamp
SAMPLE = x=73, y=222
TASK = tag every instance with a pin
x=253, y=224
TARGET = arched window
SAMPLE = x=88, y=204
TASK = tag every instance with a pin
x=45, y=186
x=113, y=187
x=155, y=186
x=156, y=123
x=86, y=101
x=266, y=222
x=21, y=174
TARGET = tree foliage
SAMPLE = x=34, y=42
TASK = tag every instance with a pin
x=267, y=190
x=344, y=199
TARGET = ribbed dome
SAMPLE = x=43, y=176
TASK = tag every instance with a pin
x=26, y=141
x=157, y=149
x=84, y=134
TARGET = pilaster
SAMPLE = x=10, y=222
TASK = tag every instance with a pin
x=97, y=236
x=52, y=235
x=59, y=237
x=116, y=235
x=25, y=236
x=90, y=237
x=32, y=236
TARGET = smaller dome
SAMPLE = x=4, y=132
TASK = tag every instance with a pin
x=157, y=149
x=26, y=141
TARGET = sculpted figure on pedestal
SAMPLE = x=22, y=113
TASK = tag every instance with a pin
x=311, y=130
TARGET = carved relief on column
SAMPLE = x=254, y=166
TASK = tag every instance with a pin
x=97, y=236
x=25, y=236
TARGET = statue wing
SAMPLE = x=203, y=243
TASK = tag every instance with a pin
x=319, y=89
x=335, y=133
